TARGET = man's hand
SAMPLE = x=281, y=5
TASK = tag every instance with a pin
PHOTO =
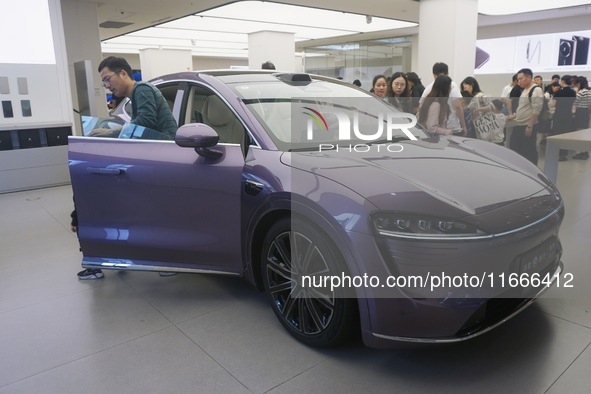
x=108, y=133
x=528, y=130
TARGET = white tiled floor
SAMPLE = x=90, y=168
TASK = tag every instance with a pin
x=135, y=332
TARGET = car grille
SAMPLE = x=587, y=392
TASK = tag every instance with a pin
x=497, y=309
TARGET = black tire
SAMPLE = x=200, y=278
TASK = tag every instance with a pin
x=316, y=317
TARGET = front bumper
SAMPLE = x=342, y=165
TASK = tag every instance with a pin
x=489, y=315
x=456, y=313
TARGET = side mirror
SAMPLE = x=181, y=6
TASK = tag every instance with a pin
x=199, y=136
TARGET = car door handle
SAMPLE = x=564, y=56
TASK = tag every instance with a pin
x=252, y=187
x=105, y=170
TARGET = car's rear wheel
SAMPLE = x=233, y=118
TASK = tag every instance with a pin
x=315, y=316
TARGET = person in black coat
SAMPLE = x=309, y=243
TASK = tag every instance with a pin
x=416, y=89
x=563, y=114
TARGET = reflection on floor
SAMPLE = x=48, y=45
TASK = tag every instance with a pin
x=141, y=333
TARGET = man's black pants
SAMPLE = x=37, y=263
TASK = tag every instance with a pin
x=525, y=146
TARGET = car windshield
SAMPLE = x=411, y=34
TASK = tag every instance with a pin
x=301, y=115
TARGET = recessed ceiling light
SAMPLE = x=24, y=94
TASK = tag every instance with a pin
x=114, y=24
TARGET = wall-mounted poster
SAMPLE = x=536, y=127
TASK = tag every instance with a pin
x=535, y=52
x=558, y=52
x=573, y=50
x=491, y=56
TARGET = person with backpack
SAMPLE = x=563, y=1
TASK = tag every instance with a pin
x=523, y=137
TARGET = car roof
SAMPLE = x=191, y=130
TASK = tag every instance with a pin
x=241, y=76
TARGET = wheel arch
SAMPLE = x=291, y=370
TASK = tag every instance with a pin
x=316, y=216
x=256, y=243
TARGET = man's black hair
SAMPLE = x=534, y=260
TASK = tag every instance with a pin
x=440, y=68
x=115, y=64
x=268, y=66
x=526, y=71
x=498, y=104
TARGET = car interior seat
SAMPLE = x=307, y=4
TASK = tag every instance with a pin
x=196, y=114
x=279, y=121
x=218, y=116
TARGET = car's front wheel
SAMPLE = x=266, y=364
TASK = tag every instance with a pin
x=315, y=315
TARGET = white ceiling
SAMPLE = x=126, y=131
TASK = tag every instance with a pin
x=146, y=13
x=223, y=31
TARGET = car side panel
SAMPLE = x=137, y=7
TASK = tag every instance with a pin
x=153, y=200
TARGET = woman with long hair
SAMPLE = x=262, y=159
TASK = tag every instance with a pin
x=379, y=86
x=399, y=93
x=582, y=103
x=479, y=103
x=434, y=110
x=470, y=85
x=582, y=107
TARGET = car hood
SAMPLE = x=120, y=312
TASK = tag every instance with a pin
x=448, y=176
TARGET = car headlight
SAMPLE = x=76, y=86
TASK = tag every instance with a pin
x=405, y=225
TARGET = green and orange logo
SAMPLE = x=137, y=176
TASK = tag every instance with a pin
x=317, y=117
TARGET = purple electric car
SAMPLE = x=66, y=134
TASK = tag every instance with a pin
x=348, y=215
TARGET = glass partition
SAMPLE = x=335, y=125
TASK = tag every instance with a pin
x=360, y=60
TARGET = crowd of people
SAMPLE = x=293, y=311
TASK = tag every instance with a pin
x=526, y=105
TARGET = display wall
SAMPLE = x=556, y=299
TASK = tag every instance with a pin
x=31, y=80
x=556, y=52
x=558, y=27
x=36, y=112
x=31, y=95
